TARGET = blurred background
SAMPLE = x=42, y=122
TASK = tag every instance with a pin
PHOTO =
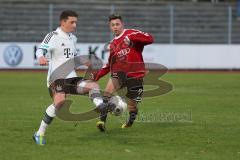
x=198, y=119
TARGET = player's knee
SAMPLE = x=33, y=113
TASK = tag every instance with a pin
x=132, y=109
x=82, y=87
x=59, y=104
x=59, y=100
x=85, y=87
x=132, y=105
x=93, y=85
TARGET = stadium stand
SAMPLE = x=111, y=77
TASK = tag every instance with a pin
x=203, y=22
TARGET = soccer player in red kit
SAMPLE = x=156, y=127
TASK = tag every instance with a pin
x=126, y=65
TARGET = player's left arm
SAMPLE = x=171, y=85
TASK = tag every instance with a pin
x=140, y=37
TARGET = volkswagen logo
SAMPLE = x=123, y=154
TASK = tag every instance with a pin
x=13, y=55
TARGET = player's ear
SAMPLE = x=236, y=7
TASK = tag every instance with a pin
x=61, y=22
x=110, y=23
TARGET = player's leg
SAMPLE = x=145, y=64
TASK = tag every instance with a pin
x=133, y=111
x=77, y=85
x=93, y=90
x=134, y=95
x=111, y=87
x=50, y=113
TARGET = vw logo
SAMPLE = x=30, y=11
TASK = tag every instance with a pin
x=13, y=55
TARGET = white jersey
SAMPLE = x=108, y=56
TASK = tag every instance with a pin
x=59, y=48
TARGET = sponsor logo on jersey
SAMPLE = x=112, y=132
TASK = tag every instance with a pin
x=67, y=52
x=123, y=52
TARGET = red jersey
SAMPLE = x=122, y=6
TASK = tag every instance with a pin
x=127, y=58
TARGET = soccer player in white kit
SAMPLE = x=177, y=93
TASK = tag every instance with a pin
x=60, y=48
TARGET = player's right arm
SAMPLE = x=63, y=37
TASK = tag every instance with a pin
x=102, y=72
x=41, y=59
x=45, y=47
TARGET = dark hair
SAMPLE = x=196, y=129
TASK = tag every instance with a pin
x=67, y=13
x=115, y=16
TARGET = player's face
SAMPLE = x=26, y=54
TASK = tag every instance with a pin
x=116, y=26
x=69, y=25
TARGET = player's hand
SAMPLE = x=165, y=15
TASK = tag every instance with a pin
x=92, y=76
x=43, y=61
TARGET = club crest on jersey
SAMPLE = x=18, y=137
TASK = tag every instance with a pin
x=63, y=45
x=59, y=88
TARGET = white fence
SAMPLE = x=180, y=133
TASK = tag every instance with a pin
x=21, y=55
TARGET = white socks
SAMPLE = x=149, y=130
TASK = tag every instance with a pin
x=51, y=113
x=42, y=128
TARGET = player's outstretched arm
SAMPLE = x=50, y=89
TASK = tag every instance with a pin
x=102, y=72
x=140, y=37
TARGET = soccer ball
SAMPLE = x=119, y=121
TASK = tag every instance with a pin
x=121, y=105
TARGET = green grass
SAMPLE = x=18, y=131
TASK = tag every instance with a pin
x=213, y=132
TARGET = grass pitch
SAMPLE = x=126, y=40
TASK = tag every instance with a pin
x=199, y=119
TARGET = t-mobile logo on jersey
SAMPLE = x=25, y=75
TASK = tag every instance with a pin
x=67, y=52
